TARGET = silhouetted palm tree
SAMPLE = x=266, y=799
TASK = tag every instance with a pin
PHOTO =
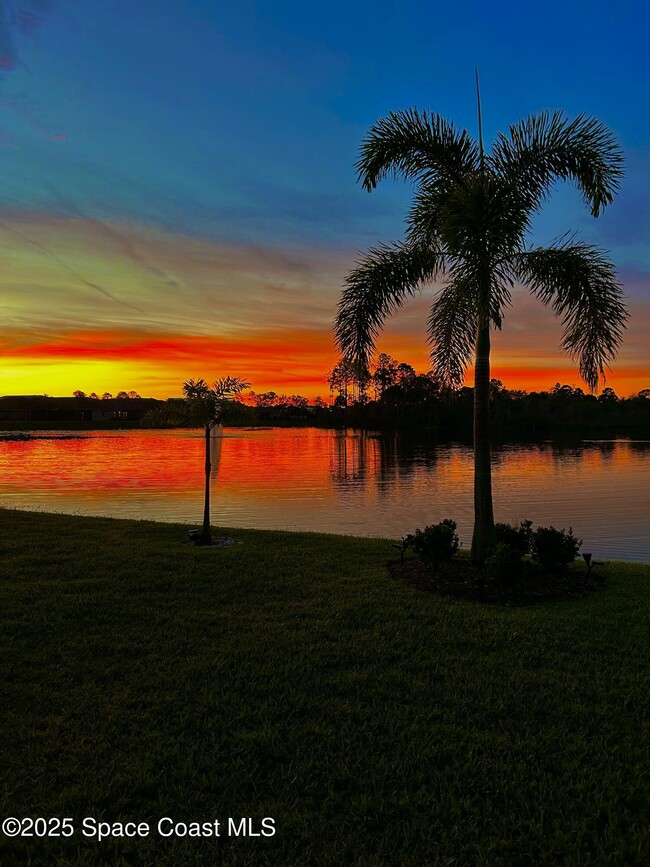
x=205, y=404
x=467, y=230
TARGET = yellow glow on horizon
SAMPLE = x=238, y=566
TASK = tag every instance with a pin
x=60, y=380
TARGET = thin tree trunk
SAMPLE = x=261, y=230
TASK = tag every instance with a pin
x=206, y=539
x=484, y=536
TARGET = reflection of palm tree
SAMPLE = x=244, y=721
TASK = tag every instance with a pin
x=216, y=439
x=468, y=226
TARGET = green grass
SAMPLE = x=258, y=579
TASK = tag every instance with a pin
x=290, y=677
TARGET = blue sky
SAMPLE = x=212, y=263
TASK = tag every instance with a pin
x=246, y=118
x=241, y=122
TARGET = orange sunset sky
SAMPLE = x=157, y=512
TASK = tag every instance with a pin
x=178, y=195
x=105, y=306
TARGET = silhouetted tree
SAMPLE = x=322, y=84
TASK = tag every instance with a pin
x=78, y=393
x=385, y=374
x=267, y=398
x=608, y=395
x=173, y=413
x=467, y=229
x=205, y=403
x=107, y=395
x=405, y=375
x=339, y=379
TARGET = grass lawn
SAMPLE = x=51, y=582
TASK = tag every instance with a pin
x=290, y=677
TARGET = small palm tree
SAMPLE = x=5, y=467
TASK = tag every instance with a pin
x=205, y=403
x=467, y=229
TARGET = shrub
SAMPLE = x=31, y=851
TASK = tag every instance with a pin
x=503, y=565
x=518, y=537
x=555, y=549
x=436, y=543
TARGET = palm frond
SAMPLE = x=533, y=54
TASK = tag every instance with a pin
x=205, y=403
x=579, y=281
x=380, y=283
x=483, y=216
x=411, y=144
x=194, y=389
x=425, y=220
x=452, y=328
x=501, y=283
x=548, y=146
x=229, y=386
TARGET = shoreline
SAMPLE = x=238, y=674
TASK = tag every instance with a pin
x=183, y=529
x=500, y=432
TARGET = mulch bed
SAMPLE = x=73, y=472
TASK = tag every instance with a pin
x=460, y=579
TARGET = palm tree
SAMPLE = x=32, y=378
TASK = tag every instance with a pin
x=467, y=229
x=205, y=403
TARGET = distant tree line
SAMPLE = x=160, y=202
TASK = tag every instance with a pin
x=121, y=395
x=395, y=396
x=270, y=398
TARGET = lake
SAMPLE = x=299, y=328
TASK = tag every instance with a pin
x=334, y=482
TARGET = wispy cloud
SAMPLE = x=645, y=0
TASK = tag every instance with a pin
x=42, y=248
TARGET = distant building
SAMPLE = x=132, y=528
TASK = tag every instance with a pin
x=40, y=407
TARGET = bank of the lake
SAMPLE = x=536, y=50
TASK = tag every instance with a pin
x=288, y=676
x=10, y=426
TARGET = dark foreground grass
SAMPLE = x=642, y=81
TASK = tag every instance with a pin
x=290, y=677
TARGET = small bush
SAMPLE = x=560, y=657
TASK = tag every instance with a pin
x=436, y=543
x=555, y=549
x=503, y=566
x=518, y=537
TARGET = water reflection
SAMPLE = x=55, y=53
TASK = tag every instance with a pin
x=358, y=459
x=216, y=441
x=347, y=458
x=335, y=481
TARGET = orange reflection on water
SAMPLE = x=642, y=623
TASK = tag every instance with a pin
x=333, y=481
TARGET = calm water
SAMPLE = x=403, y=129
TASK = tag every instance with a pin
x=335, y=481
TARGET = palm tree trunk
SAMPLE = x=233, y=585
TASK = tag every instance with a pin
x=484, y=536
x=206, y=539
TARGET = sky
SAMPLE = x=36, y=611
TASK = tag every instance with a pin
x=177, y=187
